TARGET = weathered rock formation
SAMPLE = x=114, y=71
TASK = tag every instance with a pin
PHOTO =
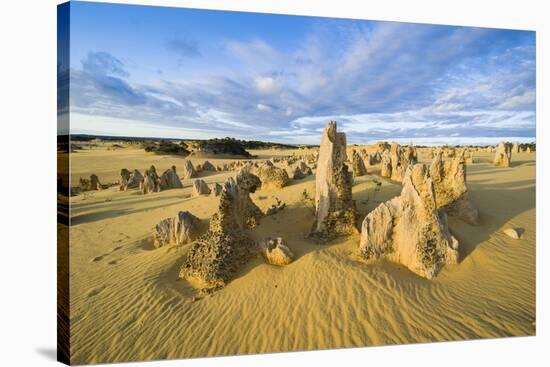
x=334, y=207
x=401, y=158
x=130, y=180
x=94, y=182
x=275, y=251
x=207, y=166
x=216, y=189
x=385, y=164
x=124, y=177
x=503, y=154
x=219, y=253
x=357, y=165
x=298, y=174
x=272, y=177
x=151, y=181
x=170, y=180
x=179, y=230
x=188, y=170
x=451, y=192
x=200, y=188
x=409, y=229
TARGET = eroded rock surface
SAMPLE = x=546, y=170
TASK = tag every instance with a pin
x=216, y=189
x=151, y=181
x=272, y=177
x=385, y=164
x=179, y=230
x=200, y=188
x=188, y=170
x=503, y=155
x=334, y=207
x=357, y=165
x=275, y=251
x=451, y=192
x=226, y=246
x=409, y=229
x=130, y=180
x=401, y=158
x=170, y=180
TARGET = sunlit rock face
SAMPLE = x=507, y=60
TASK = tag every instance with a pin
x=503, y=155
x=225, y=247
x=334, y=207
x=409, y=229
x=451, y=192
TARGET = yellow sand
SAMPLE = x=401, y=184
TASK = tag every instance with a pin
x=127, y=303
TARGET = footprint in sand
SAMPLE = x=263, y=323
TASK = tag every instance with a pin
x=113, y=262
x=117, y=248
x=94, y=292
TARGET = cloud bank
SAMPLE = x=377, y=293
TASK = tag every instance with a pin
x=380, y=80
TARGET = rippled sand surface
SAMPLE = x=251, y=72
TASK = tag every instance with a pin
x=127, y=303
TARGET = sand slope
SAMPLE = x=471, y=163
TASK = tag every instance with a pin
x=127, y=302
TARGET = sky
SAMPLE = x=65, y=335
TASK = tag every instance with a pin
x=198, y=74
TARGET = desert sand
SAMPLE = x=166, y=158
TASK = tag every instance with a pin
x=128, y=303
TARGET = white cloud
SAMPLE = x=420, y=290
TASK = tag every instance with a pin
x=266, y=84
x=526, y=99
x=263, y=107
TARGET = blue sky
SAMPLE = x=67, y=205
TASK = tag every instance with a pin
x=182, y=73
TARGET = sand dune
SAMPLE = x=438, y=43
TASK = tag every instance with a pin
x=127, y=302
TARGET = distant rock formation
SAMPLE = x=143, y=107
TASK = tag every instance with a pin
x=179, y=230
x=124, y=177
x=151, y=181
x=298, y=174
x=207, y=166
x=219, y=253
x=216, y=189
x=200, y=188
x=334, y=207
x=515, y=148
x=409, y=229
x=503, y=155
x=170, y=180
x=385, y=164
x=275, y=251
x=188, y=170
x=306, y=170
x=272, y=177
x=451, y=192
x=130, y=180
x=94, y=182
x=401, y=158
x=357, y=164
